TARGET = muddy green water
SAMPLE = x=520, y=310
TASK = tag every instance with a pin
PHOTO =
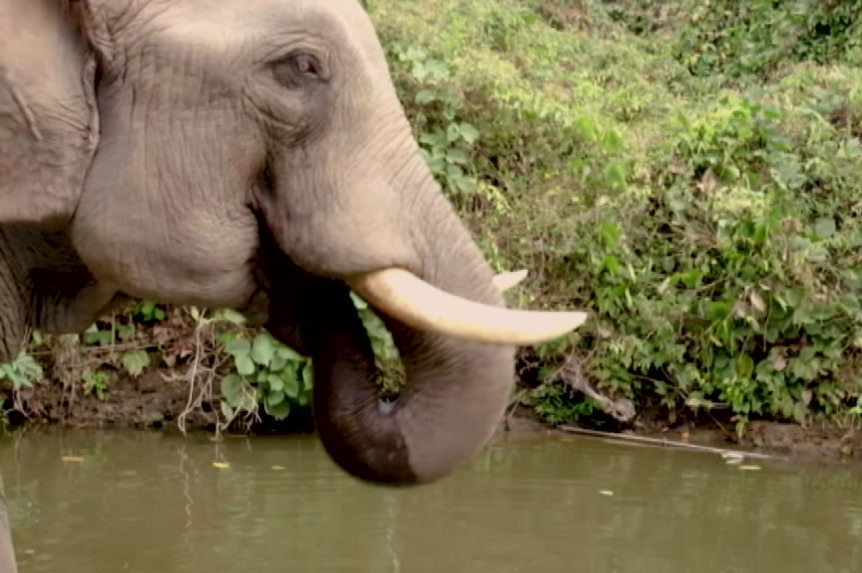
x=152, y=503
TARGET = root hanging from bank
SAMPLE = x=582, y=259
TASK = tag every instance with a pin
x=123, y=373
x=572, y=373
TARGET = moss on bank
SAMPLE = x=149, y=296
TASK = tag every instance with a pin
x=688, y=173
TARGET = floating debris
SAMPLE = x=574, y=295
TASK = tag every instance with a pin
x=606, y=492
x=663, y=442
x=750, y=468
x=221, y=465
x=733, y=457
x=279, y=468
x=72, y=459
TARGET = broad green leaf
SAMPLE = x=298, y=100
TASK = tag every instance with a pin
x=469, y=133
x=226, y=410
x=308, y=374
x=244, y=364
x=135, y=361
x=276, y=383
x=278, y=411
x=302, y=400
x=237, y=347
x=277, y=363
x=744, y=366
x=274, y=398
x=425, y=96
x=289, y=353
x=262, y=349
x=229, y=315
x=458, y=156
x=291, y=384
x=232, y=389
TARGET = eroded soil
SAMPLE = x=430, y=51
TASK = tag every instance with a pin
x=153, y=400
x=160, y=399
x=815, y=442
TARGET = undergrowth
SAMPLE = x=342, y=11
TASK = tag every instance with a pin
x=687, y=172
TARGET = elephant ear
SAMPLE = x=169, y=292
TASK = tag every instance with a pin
x=48, y=116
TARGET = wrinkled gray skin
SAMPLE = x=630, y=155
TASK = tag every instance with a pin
x=238, y=153
x=7, y=554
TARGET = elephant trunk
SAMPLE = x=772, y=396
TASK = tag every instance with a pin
x=456, y=392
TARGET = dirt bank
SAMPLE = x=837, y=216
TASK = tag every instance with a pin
x=159, y=399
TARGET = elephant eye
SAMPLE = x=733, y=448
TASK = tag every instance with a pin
x=297, y=69
x=305, y=64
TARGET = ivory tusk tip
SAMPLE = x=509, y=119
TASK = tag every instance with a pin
x=576, y=318
x=422, y=306
x=553, y=325
x=511, y=279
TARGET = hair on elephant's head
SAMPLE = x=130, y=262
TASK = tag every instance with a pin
x=202, y=151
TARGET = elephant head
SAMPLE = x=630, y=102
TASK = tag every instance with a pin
x=204, y=152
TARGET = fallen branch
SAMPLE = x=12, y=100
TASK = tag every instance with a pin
x=664, y=442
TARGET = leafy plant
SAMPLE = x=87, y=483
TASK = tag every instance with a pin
x=22, y=372
x=445, y=141
x=148, y=312
x=265, y=372
x=95, y=383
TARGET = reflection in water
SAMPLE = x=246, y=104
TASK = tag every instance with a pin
x=154, y=503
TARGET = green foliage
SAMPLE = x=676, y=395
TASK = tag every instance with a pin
x=264, y=372
x=445, y=141
x=553, y=402
x=686, y=171
x=756, y=38
x=148, y=312
x=22, y=372
x=252, y=368
x=736, y=277
x=744, y=42
x=95, y=383
x=711, y=230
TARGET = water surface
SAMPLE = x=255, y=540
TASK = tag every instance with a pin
x=149, y=502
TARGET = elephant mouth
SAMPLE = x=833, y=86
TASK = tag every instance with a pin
x=424, y=307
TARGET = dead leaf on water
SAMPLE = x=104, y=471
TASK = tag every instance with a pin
x=221, y=465
x=72, y=459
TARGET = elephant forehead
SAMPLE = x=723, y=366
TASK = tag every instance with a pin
x=254, y=27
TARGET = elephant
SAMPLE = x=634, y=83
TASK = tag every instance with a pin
x=254, y=155
x=7, y=554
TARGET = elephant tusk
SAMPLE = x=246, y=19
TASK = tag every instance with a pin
x=506, y=281
x=406, y=297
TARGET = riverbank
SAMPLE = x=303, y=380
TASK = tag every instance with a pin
x=687, y=173
x=160, y=400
